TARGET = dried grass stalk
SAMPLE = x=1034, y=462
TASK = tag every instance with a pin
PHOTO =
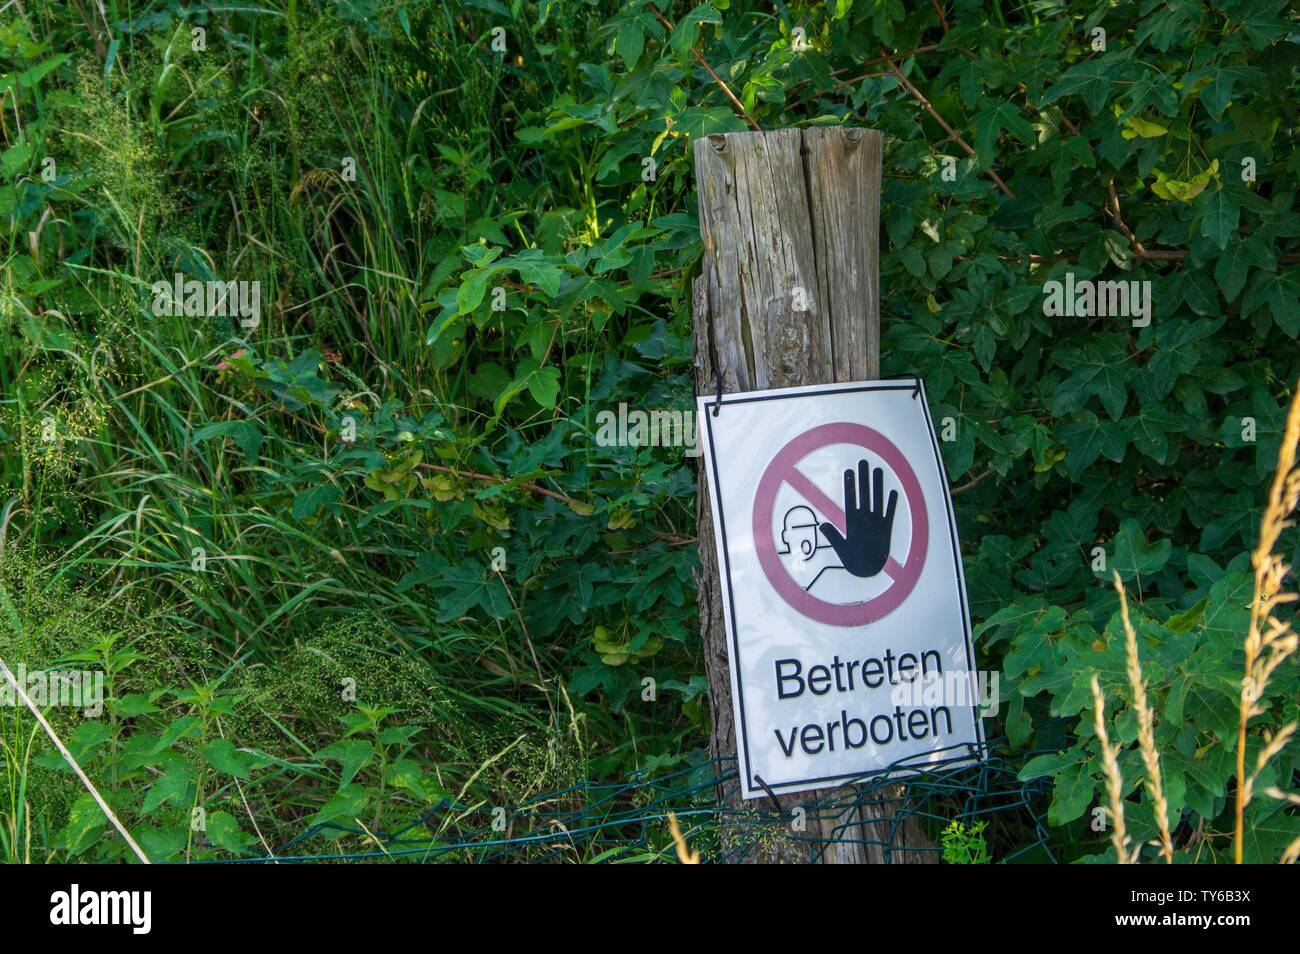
x=1146, y=728
x=1114, y=781
x=684, y=853
x=1269, y=640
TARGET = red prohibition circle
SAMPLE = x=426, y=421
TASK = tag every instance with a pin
x=783, y=470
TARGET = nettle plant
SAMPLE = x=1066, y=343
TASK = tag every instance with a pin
x=164, y=765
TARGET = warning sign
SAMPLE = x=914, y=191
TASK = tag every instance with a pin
x=845, y=602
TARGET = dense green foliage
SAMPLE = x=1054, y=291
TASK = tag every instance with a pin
x=185, y=501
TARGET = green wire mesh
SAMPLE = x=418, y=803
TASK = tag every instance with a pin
x=628, y=821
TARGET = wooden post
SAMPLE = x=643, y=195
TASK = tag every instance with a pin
x=789, y=295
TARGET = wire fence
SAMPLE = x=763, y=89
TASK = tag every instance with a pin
x=628, y=821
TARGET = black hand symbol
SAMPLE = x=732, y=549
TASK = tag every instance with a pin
x=864, y=549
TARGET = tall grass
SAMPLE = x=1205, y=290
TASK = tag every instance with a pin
x=1269, y=642
x=229, y=163
x=343, y=262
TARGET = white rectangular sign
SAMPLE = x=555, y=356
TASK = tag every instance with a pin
x=845, y=604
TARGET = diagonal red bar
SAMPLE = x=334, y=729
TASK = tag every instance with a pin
x=810, y=492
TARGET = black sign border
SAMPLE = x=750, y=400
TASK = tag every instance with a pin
x=750, y=786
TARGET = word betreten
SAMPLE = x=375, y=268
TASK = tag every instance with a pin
x=844, y=676
x=874, y=673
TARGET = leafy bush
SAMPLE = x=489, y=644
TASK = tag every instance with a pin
x=466, y=254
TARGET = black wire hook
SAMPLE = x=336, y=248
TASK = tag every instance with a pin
x=717, y=403
x=776, y=802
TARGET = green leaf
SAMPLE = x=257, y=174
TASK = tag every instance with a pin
x=1041, y=766
x=224, y=832
x=1216, y=94
x=397, y=734
x=1087, y=437
x=225, y=758
x=470, y=583
x=1133, y=557
x=86, y=821
x=29, y=78
x=1280, y=291
x=1072, y=794
x=473, y=287
x=162, y=843
x=310, y=501
x=406, y=775
x=1055, y=214
x=1259, y=21
x=15, y=160
x=1149, y=431
x=83, y=743
x=184, y=727
x=174, y=787
x=1101, y=367
x=1234, y=265
x=629, y=42
x=247, y=435
x=1091, y=79
x=542, y=383
x=536, y=268
x=1220, y=215
x=1227, y=608
x=699, y=121
x=345, y=807
x=1017, y=298
x=993, y=119
x=1268, y=831
x=1178, y=348
x=687, y=29
x=135, y=704
x=352, y=754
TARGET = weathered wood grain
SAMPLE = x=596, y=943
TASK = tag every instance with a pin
x=788, y=295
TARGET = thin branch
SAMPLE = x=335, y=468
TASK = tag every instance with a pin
x=973, y=482
x=1113, y=209
x=920, y=98
x=876, y=62
x=740, y=107
x=489, y=478
x=943, y=21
